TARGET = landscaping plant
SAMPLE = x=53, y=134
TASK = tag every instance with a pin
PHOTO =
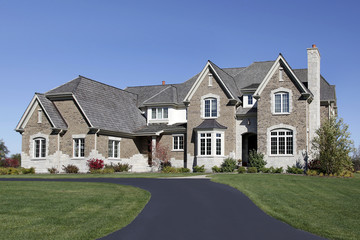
x=229, y=165
x=95, y=164
x=332, y=147
x=199, y=169
x=71, y=168
x=256, y=159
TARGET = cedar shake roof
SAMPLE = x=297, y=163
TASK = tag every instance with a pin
x=106, y=107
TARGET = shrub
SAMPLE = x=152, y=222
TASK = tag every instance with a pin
x=229, y=165
x=265, y=170
x=169, y=169
x=216, y=169
x=9, y=162
x=252, y=170
x=199, y=169
x=310, y=172
x=28, y=170
x=102, y=171
x=256, y=159
x=3, y=171
x=53, y=170
x=294, y=170
x=95, y=163
x=278, y=170
x=119, y=167
x=241, y=170
x=71, y=168
x=183, y=170
x=13, y=171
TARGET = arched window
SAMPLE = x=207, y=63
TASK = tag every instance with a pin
x=210, y=107
x=39, y=147
x=282, y=142
x=282, y=102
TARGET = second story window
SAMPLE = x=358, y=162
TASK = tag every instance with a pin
x=250, y=100
x=159, y=113
x=282, y=102
x=210, y=107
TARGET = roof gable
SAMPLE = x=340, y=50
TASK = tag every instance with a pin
x=221, y=77
x=280, y=61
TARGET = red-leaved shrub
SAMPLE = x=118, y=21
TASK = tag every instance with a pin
x=9, y=162
x=95, y=163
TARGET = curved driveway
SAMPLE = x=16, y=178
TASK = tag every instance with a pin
x=196, y=209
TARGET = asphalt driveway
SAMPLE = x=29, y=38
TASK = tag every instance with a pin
x=196, y=209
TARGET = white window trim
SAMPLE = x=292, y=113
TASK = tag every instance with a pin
x=246, y=99
x=272, y=100
x=173, y=139
x=118, y=140
x=32, y=145
x=75, y=138
x=162, y=113
x=279, y=127
x=202, y=105
x=40, y=150
x=213, y=144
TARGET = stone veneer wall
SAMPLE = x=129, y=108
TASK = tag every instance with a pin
x=297, y=119
x=176, y=157
x=226, y=118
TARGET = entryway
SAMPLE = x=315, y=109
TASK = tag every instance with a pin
x=249, y=142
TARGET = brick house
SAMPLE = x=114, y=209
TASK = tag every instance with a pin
x=218, y=113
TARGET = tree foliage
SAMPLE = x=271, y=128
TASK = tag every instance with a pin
x=256, y=159
x=3, y=149
x=356, y=159
x=332, y=147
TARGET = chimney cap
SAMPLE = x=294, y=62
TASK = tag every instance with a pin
x=313, y=46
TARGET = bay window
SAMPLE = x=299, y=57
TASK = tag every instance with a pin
x=210, y=143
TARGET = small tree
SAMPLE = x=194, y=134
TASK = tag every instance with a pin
x=332, y=146
x=161, y=158
x=3, y=150
x=256, y=159
x=16, y=156
x=356, y=159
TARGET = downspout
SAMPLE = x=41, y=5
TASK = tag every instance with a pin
x=58, y=150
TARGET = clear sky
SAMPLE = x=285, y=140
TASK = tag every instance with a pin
x=44, y=44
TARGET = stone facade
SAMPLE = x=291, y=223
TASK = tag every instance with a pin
x=297, y=119
x=226, y=117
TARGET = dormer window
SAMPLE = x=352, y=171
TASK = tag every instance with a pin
x=210, y=107
x=159, y=113
x=250, y=100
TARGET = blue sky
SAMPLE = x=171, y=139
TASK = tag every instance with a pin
x=44, y=44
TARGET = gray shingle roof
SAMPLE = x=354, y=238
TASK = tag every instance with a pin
x=154, y=128
x=210, y=124
x=106, y=107
x=52, y=111
x=245, y=111
x=327, y=91
x=167, y=95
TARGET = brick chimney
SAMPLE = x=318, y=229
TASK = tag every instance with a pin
x=314, y=86
x=163, y=82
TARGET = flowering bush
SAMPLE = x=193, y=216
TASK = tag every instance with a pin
x=95, y=163
x=9, y=162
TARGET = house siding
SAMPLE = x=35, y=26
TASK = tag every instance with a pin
x=297, y=119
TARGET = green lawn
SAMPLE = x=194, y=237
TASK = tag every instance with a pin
x=66, y=210
x=329, y=207
x=112, y=175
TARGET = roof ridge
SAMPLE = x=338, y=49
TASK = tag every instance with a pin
x=65, y=84
x=229, y=76
x=157, y=85
x=157, y=94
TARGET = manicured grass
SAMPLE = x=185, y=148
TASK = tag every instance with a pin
x=113, y=175
x=66, y=210
x=328, y=207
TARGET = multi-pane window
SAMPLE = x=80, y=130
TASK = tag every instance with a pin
x=79, y=147
x=114, y=149
x=218, y=143
x=39, y=148
x=178, y=142
x=250, y=99
x=282, y=142
x=282, y=102
x=159, y=113
x=210, y=107
x=205, y=144
x=210, y=144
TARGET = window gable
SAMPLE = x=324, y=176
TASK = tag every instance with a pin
x=281, y=101
x=210, y=105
